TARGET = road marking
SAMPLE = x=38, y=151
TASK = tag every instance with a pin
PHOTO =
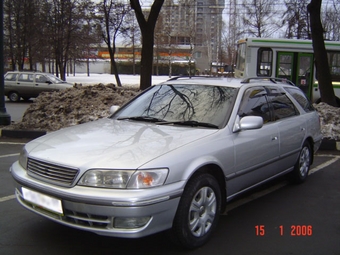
x=280, y=185
x=9, y=155
x=323, y=165
x=3, y=199
x=12, y=143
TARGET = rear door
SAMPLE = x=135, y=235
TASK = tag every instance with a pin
x=25, y=85
x=291, y=126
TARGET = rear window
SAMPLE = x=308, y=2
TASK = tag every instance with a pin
x=11, y=76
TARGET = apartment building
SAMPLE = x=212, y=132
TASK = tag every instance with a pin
x=192, y=24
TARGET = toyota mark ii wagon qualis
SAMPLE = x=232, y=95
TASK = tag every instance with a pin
x=170, y=158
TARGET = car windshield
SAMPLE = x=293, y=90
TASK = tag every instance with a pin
x=194, y=105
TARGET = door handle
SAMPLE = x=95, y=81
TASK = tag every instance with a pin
x=274, y=138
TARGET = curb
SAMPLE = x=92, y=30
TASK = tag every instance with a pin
x=30, y=134
x=328, y=144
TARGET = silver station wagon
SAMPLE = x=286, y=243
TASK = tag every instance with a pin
x=171, y=158
x=28, y=84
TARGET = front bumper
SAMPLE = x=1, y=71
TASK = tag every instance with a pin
x=97, y=209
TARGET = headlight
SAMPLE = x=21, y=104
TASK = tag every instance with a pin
x=120, y=179
x=106, y=178
x=23, y=158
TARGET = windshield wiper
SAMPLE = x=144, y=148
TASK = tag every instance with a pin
x=191, y=123
x=142, y=118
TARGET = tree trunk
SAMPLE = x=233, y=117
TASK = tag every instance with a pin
x=147, y=28
x=114, y=69
x=320, y=54
x=146, y=61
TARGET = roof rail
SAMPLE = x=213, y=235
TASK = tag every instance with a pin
x=191, y=77
x=272, y=79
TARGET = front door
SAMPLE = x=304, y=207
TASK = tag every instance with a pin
x=298, y=68
x=256, y=151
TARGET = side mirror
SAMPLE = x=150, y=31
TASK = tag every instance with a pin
x=114, y=108
x=247, y=123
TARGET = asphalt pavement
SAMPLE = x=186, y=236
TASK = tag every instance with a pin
x=277, y=218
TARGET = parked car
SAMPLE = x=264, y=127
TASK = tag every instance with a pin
x=170, y=158
x=30, y=84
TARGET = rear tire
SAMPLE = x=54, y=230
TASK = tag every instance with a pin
x=14, y=96
x=302, y=166
x=198, y=212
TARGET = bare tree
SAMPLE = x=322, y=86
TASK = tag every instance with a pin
x=132, y=34
x=147, y=26
x=259, y=18
x=330, y=20
x=112, y=14
x=320, y=54
x=296, y=19
x=21, y=27
x=41, y=30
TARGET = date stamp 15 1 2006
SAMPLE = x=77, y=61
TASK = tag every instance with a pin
x=293, y=230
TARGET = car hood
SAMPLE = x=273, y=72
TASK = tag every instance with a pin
x=108, y=143
x=63, y=85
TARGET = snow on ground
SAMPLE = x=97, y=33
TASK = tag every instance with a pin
x=126, y=80
x=52, y=111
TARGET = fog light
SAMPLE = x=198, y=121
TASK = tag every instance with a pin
x=131, y=223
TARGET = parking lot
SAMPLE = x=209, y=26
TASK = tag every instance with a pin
x=278, y=218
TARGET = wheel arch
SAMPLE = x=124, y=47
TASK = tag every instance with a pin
x=215, y=171
x=311, y=144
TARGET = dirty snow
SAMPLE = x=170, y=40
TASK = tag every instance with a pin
x=92, y=97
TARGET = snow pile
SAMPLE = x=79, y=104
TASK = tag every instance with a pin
x=330, y=120
x=51, y=111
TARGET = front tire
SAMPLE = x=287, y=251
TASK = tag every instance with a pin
x=302, y=166
x=198, y=211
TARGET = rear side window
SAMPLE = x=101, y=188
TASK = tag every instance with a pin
x=301, y=98
x=11, y=77
x=282, y=106
x=26, y=77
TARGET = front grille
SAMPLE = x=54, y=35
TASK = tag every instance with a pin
x=52, y=173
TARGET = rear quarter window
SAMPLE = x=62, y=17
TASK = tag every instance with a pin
x=10, y=77
x=301, y=98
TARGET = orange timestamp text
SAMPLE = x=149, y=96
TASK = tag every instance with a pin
x=294, y=230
